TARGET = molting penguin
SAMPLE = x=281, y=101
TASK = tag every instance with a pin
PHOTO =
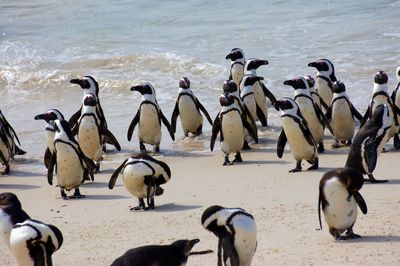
x=260, y=90
x=236, y=231
x=31, y=242
x=142, y=176
x=247, y=95
x=324, y=79
x=339, y=197
x=396, y=101
x=230, y=123
x=341, y=113
x=309, y=110
x=72, y=167
x=295, y=130
x=149, y=117
x=92, y=130
x=175, y=254
x=188, y=107
x=11, y=136
x=90, y=86
x=236, y=71
x=49, y=117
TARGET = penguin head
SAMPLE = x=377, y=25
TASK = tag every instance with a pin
x=184, y=83
x=87, y=83
x=8, y=199
x=325, y=68
x=229, y=86
x=380, y=77
x=90, y=100
x=50, y=115
x=310, y=81
x=254, y=63
x=235, y=54
x=297, y=83
x=185, y=245
x=144, y=88
x=285, y=104
x=209, y=220
x=338, y=87
x=226, y=99
x=249, y=80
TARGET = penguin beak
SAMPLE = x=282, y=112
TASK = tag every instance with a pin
x=228, y=56
x=40, y=117
x=312, y=64
x=288, y=82
x=263, y=62
x=135, y=88
x=192, y=243
x=260, y=78
x=75, y=81
x=277, y=105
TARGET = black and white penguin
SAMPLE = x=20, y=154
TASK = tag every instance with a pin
x=188, y=107
x=339, y=196
x=5, y=150
x=247, y=94
x=324, y=79
x=314, y=93
x=380, y=95
x=261, y=92
x=236, y=71
x=142, y=176
x=92, y=131
x=314, y=116
x=175, y=254
x=370, y=139
x=90, y=86
x=72, y=167
x=396, y=101
x=230, y=124
x=30, y=241
x=295, y=130
x=149, y=117
x=49, y=118
x=341, y=114
x=236, y=230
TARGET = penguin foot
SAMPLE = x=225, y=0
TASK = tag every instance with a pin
x=6, y=171
x=142, y=147
x=63, y=194
x=297, y=169
x=396, y=142
x=138, y=208
x=77, y=194
x=372, y=179
x=351, y=235
x=157, y=149
x=321, y=148
x=159, y=191
x=96, y=170
x=246, y=146
x=238, y=158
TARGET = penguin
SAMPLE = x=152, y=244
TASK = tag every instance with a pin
x=260, y=90
x=236, y=72
x=314, y=116
x=230, y=124
x=341, y=114
x=230, y=88
x=11, y=136
x=395, y=97
x=175, y=254
x=325, y=78
x=92, y=131
x=90, y=86
x=339, y=196
x=49, y=118
x=247, y=94
x=295, y=130
x=380, y=95
x=72, y=167
x=5, y=150
x=31, y=242
x=188, y=107
x=236, y=230
x=370, y=139
x=314, y=93
x=149, y=117
x=142, y=176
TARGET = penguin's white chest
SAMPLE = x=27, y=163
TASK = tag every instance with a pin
x=69, y=168
x=324, y=90
x=191, y=118
x=300, y=148
x=232, y=131
x=5, y=227
x=50, y=140
x=133, y=178
x=89, y=138
x=250, y=101
x=19, y=244
x=149, y=124
x=341, y=213
x=342, y=120
x=245, y=241
x=308, y=112
x=260, y=97
x=237, y=73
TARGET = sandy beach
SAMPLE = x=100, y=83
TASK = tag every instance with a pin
x=100, y=227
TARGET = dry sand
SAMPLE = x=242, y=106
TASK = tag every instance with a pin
x=100, y=227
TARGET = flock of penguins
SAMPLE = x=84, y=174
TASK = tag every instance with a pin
x=75, y=147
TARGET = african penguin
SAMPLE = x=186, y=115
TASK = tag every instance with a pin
x=188, y=107
x=236, y=71
x=230, y=124
x=341, y=114
x=11, y=136
x=142, y=176
x=247, y=94
x=295, y=130
x=5, y=150
x=369, y=141
x=175, y=254
x=339, y=196
x=72, y=167
x=30, y=241
x=324, y=79
x=396, y=101
x=90, y=86
x=149, y=117
x=236, y=231
x=314, y=116
x=49, y=118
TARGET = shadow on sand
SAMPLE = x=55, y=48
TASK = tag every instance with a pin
x=18, y=186
x=172, y=207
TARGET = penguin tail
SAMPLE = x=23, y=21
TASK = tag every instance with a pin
x=19, y=151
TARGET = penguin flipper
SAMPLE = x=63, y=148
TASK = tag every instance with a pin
x=110, y=138
x=323, y=118
x=73, y=121
x=319, y=209
x=281, y=144
x=360, y=201
x=250, y=117
x=355, y=113
x=9, y=127
x=366, y=116
x=50, y=169
x=214, y=131
x=252, y=131
x=115, y=175
x=47, y=157
x=203, y=109
x=174, y=117
x=167, y=124
x=328, y=113
x=132, y=125
x=323, y=103
x=230, y=251
x=268, y=93
x=370, y=153
x=261, y=116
